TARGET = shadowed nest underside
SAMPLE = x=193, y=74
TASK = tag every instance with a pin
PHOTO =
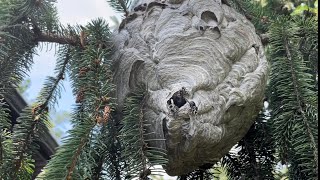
x=205, y=71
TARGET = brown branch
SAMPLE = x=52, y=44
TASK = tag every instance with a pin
x=75, y=158
x=99, y=168
x=24, y=147
x=96, y=117
x=38, y=111
x=50, y=37
x=54, y=38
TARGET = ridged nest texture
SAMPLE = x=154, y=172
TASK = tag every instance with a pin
x=206, y=54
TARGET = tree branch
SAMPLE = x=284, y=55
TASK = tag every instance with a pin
x=54, y=38
x=38, y=111
x=76, y=157
x=299, y=98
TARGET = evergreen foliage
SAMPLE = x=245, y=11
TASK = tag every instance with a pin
x=138, y=156
x=105, y=143
x=202, y=173
x=5, y=141
x=92, y=85
x=291, y=133
x=121, y=6
x=293, y=117
x=255, y=157
x=108, y=152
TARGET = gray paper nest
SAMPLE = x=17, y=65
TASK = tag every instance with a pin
x=206, y=52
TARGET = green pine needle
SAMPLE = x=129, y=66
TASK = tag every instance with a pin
x=293, y=95
x=137, y=154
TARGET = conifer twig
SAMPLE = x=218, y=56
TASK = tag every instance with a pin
x=40, y=36
x=124, y=7
x=98, y=120
x=300, y=103
x=75, y=158
x=38, y=111
x=54, y=38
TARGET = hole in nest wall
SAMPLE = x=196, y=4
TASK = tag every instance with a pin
x=177, y=99
x=208, y=16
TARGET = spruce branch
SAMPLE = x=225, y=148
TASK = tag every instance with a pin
x=232, y=165
x=202, y=173
x=294, y=131
x=17, y=45
x=4, y=136
x=25, y=144
x=40, y=111
x=75, y=158
x=4, y=114
x=55, y=38
x=120, y=5
x=255, y=159
x=301, y=103
x=57, y=35
x=100, y=152
x=124, y=7
x=145, y=171
x=85, y=139
x=115, y=163
x=91, y=81
x=52, y=37
x=138, y=155
x=56, y=81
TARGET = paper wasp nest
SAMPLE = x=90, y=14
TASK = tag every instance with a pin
x=205, y=72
